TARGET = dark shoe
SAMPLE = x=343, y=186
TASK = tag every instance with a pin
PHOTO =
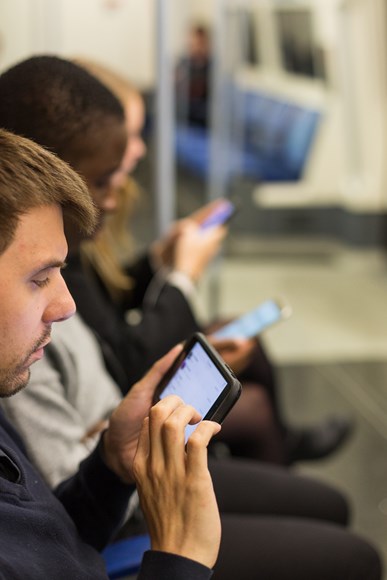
x=320, y=441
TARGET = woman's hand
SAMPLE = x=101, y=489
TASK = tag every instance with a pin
x=195, y=248
x=236, y=352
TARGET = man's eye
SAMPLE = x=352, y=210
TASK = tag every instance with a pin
x=41, y=283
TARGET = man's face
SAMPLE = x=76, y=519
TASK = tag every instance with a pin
x=33, y=294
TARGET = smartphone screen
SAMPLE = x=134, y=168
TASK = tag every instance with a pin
x=252, y=323
x=197, y=381
x=222, y=212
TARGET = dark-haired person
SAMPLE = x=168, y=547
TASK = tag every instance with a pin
x=193, y=78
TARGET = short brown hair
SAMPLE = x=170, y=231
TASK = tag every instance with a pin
x=32, y=177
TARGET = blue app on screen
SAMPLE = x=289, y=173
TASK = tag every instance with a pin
x=197, y=381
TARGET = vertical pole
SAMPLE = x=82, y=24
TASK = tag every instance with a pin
x=220, y=126
x=218, y=113
x=352, y=133
x=165, y=158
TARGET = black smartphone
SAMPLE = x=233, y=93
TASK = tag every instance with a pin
x=202, y=379
x=254, y=322
x=221, y=214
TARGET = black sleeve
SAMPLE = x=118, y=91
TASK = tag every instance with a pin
x=141, y=272
x=163, y=566
x=164, y=323
x=96, y=500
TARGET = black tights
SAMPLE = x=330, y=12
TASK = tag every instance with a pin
x=260, y=370
x=254, y=429
x=281, y=526
x=270, y=548
x=250, y=487
x=251, y=429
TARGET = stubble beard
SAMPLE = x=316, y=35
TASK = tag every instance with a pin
x=13, y=383
x=16, y=379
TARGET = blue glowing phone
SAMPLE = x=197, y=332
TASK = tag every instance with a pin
x=221, y=214
x=202, y=379
x=255, y=321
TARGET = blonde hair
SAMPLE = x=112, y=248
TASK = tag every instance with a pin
x=114, y=244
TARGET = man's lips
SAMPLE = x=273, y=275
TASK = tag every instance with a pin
x=38, y=353
x=45, y=344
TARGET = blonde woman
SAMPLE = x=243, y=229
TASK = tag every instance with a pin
x=159, y=287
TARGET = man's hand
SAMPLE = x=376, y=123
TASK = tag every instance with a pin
x=95, y=430
x=174, y=484
x=120, y=439
x=236, y=352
